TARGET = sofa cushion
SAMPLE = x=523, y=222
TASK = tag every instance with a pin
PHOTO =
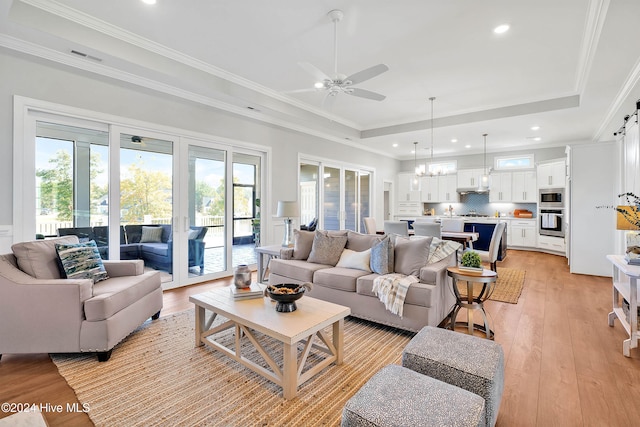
x=340, y=278
x=117, y=293
x=302, y=242
x=295, y=269
x=39, y=258
x=161, y=249
x=357, y=260
x=417, y=294
x=326, y=248
x=151, y=234
x=411, y=255
x=361, y=242
x=382, y=257
x=81, y=261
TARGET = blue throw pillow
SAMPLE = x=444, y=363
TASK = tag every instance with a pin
x=81, y=261
x=382, y=257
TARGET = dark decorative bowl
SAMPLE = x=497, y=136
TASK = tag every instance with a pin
x=286, y=302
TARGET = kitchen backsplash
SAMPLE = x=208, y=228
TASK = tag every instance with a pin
x=479, y=203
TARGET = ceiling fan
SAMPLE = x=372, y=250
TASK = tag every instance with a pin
x=341, y=83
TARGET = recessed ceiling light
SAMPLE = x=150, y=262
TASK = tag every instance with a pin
x=318, y=85
x=500, y=29
x=149, y=1
x=454, y=140
x=537, y=138
x=395, y=145
x=467, y=146
x=535, y=127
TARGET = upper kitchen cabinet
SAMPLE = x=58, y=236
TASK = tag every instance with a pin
x=429, y=189
x=469, y=178
x=447, y=189
x=408, y=188
x=500, y=187
x=552, y=174
x=523, y=187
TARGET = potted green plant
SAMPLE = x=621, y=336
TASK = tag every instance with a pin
x=471, y=261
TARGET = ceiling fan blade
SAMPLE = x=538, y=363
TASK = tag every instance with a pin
x=314, y=71
x=367, y=74
x=362, y=93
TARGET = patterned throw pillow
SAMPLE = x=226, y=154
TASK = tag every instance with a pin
x=302, y=243
x=151, y=235
x=382, y=259
x=326, y=249
x=81, y=261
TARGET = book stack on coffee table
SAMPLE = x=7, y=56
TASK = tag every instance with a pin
x=256, y=290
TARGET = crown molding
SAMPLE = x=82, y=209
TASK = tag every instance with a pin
x=596, y=16
x=110, y=30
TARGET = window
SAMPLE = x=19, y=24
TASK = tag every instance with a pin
x=524, y=161
x=442, y=168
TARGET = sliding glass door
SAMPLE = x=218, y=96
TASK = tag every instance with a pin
x=339, y=196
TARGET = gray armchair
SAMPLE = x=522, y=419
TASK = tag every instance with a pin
x=41, y=312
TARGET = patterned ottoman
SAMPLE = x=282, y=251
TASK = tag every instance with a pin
x=396, y=396
x=472, y=363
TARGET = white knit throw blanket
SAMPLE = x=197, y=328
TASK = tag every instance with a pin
x=392, y=290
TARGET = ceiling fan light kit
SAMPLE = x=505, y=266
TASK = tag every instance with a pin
x=341, y=83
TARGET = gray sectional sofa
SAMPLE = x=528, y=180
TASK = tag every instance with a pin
x=427, y=302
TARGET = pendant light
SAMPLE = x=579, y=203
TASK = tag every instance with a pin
x=484, y=180
x=418, y=169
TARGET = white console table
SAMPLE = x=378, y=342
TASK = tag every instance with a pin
x=625, y=283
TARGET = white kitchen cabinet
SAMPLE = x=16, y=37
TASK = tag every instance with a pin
x=552, y=174
x=429, y=189
x=408, y=188
x=550, y=243
x=522, y=233
x=500, y=187
x=469, y=178
x=448, y=189
x=524, y=187
x=408, y=209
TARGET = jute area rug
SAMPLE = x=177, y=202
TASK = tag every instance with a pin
x=157, y=377
x=508, y=286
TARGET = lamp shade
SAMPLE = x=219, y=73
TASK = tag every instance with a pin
x=287, y=209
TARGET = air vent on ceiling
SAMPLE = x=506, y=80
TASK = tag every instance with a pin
x=85, y=55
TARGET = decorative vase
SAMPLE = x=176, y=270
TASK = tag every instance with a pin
x=242, y=276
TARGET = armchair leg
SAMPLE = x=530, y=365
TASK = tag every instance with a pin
x=156, y=316
x=103, y=356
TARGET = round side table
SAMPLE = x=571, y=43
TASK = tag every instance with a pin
x=488, y=280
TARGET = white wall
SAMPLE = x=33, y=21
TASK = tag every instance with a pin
x=39, y=79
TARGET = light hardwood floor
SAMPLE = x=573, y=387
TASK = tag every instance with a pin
x=564, y=364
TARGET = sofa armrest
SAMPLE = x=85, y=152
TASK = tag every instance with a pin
x=286, y=253
x=436, y=273
x=120, y=268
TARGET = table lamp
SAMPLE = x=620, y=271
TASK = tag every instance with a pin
x=286, y=210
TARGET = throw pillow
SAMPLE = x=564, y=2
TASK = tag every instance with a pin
x=411, y=255
x=355, y=260
x=361, y=242
x=382, y=256
x=193, y=234
x=326, y=249
x=302, y=243
x=39, y=258
x=82, y=261
x=151, y=235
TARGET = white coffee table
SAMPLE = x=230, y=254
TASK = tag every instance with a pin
x=259, y=314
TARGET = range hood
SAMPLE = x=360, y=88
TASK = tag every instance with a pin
x=472, y=190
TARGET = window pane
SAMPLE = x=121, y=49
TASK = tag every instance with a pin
x=308, y=193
